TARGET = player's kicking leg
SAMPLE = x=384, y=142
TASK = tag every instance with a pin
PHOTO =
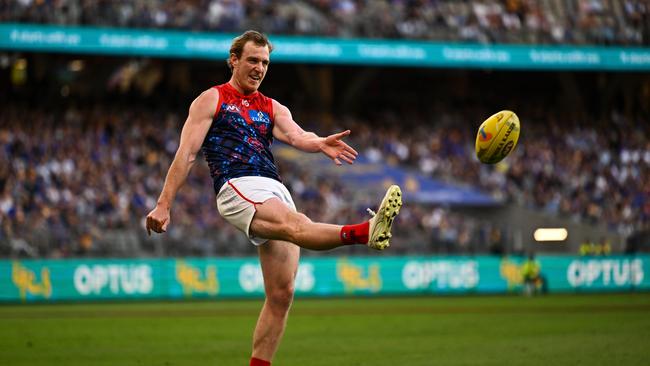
x=274, y=220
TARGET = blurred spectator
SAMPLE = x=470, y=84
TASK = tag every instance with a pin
x=621, y=22
x=78, y=181
x=590, y=248
x=533, y=279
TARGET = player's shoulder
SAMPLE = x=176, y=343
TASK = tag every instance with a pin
x=279, y=107
x=276, y=104
x=207, y=100
x=211, y=93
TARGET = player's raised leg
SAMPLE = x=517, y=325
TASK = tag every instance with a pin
x=274, y=220
x=279, y=262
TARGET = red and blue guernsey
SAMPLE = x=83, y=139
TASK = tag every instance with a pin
x=239, y=141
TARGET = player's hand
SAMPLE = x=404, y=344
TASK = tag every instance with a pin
x=158, y=220
x=337, y=150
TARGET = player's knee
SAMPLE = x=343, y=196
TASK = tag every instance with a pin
x=280, y=297
x=296, y=226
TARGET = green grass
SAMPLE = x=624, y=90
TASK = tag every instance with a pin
x=552, y=330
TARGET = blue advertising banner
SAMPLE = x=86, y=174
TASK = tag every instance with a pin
x=54, y=280
x=112, y=41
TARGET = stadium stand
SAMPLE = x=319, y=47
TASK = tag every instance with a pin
x=71, y=188
x=78, y=178
x=621, y=22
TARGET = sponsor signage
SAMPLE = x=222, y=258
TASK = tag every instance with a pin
x=157, y=43
x=53, y=280
x=113, y=279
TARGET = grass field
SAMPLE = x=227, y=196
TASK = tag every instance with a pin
x=553, y=330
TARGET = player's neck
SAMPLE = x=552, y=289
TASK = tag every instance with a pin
x=239, y=89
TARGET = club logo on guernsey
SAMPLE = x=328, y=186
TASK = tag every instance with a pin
x=232, y=108
x=259, y=117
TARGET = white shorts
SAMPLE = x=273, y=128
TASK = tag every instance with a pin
x=238, y=197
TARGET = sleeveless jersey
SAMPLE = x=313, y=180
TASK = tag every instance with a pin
x=239, y=140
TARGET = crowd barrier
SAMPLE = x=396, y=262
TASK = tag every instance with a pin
x=171, y=278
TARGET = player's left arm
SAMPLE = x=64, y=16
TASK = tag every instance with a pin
x=289, y=132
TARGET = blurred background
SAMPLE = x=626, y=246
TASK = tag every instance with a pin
x=88, y=130
x=94, y=93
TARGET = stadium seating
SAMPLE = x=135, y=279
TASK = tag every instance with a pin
x=84, y=178
x=78, y=180
x=622, y=22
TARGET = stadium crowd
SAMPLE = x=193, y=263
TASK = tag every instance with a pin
x=579, y=170
x=621, y=22
x=79, y=181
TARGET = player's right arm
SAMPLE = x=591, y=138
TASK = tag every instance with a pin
x=194, y=131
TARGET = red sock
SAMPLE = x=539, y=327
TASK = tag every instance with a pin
x=258, y=362
x=355, y=234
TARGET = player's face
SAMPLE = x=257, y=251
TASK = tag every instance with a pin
x=249, y=70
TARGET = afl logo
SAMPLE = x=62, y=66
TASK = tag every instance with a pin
x=484, y=136
x=232, y=108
